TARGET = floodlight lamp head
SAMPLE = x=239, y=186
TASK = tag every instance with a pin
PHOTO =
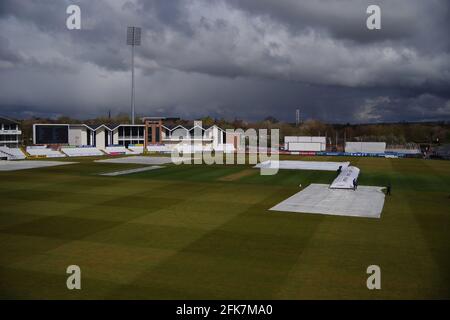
x=133, y=36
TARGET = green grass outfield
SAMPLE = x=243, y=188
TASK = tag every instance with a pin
x=205, y=232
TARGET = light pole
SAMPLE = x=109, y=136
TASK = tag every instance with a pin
x=133, y=39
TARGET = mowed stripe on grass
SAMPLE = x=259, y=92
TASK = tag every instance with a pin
x=182, y=232
x=239, y=175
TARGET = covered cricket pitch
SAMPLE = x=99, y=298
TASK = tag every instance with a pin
x=365, y=201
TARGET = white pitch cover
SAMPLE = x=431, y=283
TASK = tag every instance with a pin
x=345, y=179
x=366, y=201
x=303, y=165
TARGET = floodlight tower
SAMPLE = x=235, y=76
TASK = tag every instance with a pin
x=133, y=39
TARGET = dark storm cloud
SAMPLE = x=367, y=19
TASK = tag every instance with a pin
x=45, y=14
x=228, y=58
x=419, y=22
x=167, y=13
x=7, y=54
x=342, y=19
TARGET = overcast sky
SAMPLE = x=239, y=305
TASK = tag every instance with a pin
x=228, y=58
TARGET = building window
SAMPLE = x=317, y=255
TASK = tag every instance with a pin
x=9, y=137
x=158, y=135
